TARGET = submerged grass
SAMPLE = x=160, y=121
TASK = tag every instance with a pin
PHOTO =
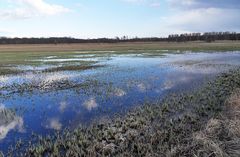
x=202, y=123
x=72, y=68
x=8, y=71
x=23, y=65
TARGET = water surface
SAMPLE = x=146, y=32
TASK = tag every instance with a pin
x=36, y=101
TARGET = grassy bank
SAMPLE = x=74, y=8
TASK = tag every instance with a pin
x=202, y=123
x=199, y=45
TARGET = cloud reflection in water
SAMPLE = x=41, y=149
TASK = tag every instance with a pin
x=90, y=104
x=53, y=123
x=9, y=121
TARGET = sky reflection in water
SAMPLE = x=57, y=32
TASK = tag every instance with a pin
x=125, y=81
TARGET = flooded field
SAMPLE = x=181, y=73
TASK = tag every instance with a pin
x=41, y=93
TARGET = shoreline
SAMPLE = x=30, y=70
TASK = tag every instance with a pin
x=122, y=46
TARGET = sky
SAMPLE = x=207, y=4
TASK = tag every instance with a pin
x=112, y=18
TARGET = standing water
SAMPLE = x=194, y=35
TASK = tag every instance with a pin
x=55, y=93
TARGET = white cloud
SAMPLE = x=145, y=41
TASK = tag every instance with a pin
x=185, y=16
x=151, y=3
x=119, y=92
x=155, y=4
x=182, y=3
x=9, y=121
x=90, y=104
x=44, y=8
x=204, y=19
x=63, y=105
x=171, y=82
x=193, y=4
x=31, y=8
x=142, y=87
x=202, y=16
x=53, y=123
x=168, y=84
x=134, y=1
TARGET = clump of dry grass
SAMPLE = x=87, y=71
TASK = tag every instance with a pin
x=221, y=136
x=233, y=104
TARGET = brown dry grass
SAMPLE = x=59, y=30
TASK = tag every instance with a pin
x=221, y=136
x=233, y=105
x=218, y=45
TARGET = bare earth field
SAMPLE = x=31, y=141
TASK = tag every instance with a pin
x=218, y=45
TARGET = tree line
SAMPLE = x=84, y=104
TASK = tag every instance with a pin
x=207, y=37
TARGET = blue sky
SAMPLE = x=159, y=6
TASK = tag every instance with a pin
x=111, y=18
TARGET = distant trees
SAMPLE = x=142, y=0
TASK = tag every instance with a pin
x=208, y=37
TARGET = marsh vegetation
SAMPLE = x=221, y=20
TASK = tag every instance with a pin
x=164, y=128
x=115, y=103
